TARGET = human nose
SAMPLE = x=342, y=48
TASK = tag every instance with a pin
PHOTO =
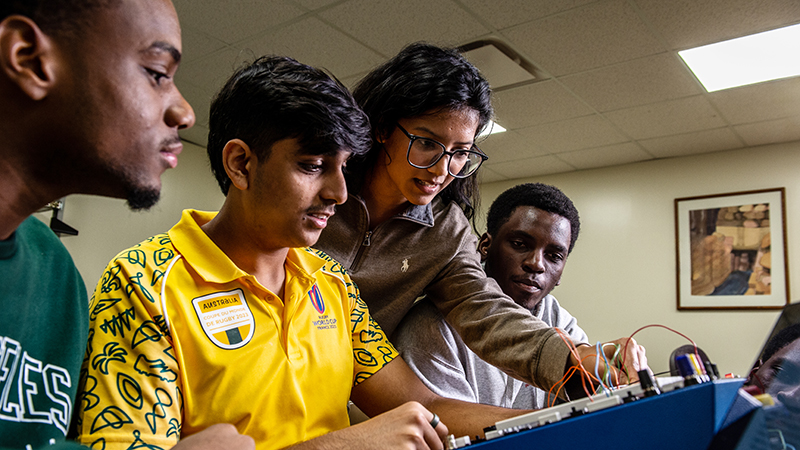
x=440, y=168
x=179, y=113
x=533, y=262
x=335, y=188
x=790, y=398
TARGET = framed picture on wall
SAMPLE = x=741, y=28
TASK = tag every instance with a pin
x=731, y=251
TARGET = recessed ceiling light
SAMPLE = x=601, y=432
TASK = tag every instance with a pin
x=491, y=128
x=760, y=57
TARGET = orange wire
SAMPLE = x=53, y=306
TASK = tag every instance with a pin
x=625, y=348
x=584, y=374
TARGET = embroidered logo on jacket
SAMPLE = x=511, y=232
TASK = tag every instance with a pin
x=226, y=318
x=404, y=268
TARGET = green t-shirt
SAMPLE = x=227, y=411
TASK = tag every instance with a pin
x=43, y=332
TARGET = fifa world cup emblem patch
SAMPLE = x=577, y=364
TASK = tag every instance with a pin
x=226, y=318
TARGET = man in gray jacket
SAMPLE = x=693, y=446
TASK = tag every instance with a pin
x=532, y=228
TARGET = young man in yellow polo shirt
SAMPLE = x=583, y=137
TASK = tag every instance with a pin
x=230, y=317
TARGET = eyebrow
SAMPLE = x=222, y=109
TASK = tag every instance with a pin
x=166, y=47
x=437, y=137
x=523, y=234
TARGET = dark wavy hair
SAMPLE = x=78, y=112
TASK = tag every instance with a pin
x=61, y=17
x=545, y=197
x=276, y=98
x=421, y=79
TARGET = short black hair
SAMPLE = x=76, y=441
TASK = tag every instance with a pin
x=543, y=196
x=421, y=79
x=276, y=98
x=781, y=339
x=58, y=17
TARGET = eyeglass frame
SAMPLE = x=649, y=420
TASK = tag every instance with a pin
x=414, y=137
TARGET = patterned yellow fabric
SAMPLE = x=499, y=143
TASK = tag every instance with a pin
x=225, y=349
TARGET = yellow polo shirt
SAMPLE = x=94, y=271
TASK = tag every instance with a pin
x=181, y=338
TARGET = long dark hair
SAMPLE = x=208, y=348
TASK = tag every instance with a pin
x=421, y=79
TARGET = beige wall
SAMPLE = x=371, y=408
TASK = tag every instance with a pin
x=106, y=226
x=621, y=274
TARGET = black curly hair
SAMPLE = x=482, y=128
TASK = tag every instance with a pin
x=781, y=339
x=57, y=17
x=543, y=196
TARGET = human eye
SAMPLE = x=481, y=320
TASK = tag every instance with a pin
x=157, y=76
x=517, y=244
x=312, y=167
x=556, y=257
x=428, y=145
x=461, y=155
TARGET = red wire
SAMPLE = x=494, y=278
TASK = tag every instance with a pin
x=625, y=348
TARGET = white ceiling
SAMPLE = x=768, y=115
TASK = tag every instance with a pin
x=614, y=89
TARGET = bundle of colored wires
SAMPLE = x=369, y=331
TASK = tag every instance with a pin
x=579, y=369
x=604, y=381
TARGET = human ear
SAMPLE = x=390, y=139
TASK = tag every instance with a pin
x=27, y=56
x=238, y=159
x=483, y=246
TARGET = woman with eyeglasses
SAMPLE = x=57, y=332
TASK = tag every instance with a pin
x=404, y=231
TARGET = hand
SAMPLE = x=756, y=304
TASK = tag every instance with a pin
x=218, y=436
x=406, y=427
x=631, y=354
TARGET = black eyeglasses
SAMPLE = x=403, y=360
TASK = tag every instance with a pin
x=425, y=152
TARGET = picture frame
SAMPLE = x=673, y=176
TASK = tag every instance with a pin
x=731, y=251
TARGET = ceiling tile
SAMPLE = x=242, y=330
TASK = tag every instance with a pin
x=211, y=72
x=595, y=35
x=199, y=99
x=611, y=155
x=197, y=135
x=573, y=134
x=506, y=13
x=759, y=102
x=633, y=83
x=389, y=25
x=197, y=44
x=672, y=117
x=234, y=20
x=314, y=42
x=691, y=23
x=509, y=146
x=537, y=103
x=525, y=168
x=773, y=131
x=487, y=175
x=315, y=4
x=616, y=74
x=692, y=143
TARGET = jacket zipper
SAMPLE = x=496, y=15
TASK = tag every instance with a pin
x=364, y=244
